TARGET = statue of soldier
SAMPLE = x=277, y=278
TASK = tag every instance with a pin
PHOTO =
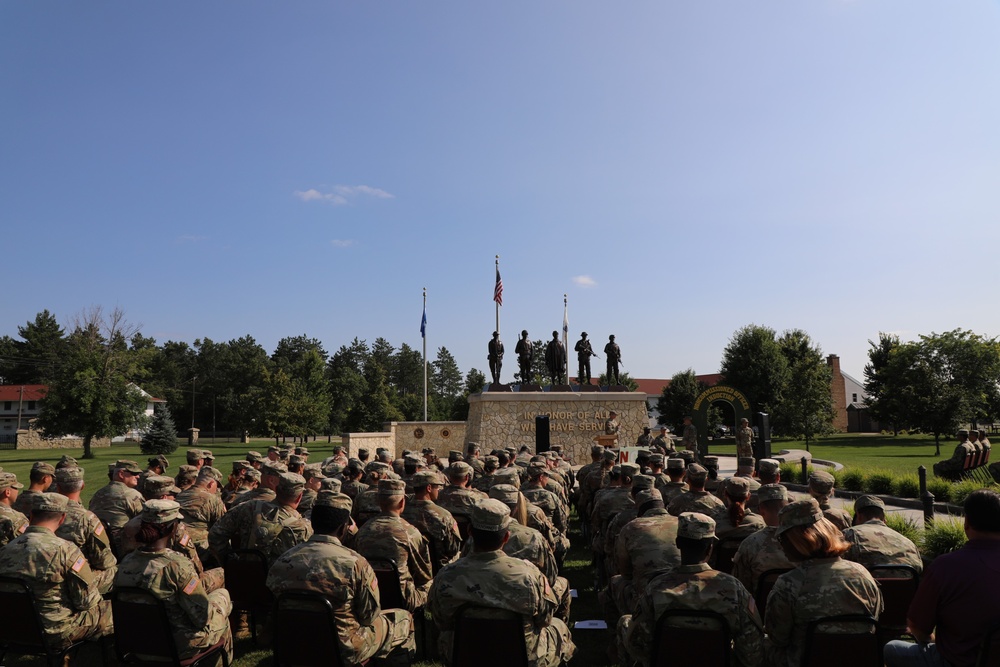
x=524, y=355
x=495, y=356
x=583, y=354
x=555, y=358
x=613, y=354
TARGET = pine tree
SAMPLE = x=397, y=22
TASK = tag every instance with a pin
x=161, y=438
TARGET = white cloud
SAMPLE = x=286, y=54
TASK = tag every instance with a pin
x=341, y=243
x=339, y=195
x=584, y=281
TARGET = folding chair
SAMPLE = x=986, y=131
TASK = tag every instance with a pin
x=390, y=593
x=677, y=643
x=827, y=649
x=765, y=583
x=500, y=630
x=299, y=614
x=22, y=630
x=899, y=584
x=246, y=580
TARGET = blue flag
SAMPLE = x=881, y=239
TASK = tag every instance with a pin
x=423, y=324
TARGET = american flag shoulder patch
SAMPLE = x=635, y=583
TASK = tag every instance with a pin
x=78, y=565
x=193, y=584
x=185, y=540
x=99, y=530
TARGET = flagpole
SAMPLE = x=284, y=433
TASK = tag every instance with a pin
x=495, y=300
x=566, y=335
x=424, y=336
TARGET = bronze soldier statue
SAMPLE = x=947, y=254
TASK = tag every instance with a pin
x=524, y=354
x=613, y=354
x=495, y=357
x=555, y=359
x=583, y=354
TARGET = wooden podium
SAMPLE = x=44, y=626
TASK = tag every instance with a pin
x=607, y=440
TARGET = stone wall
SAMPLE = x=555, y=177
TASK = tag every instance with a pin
x=370, y=441
x=32, y=439
x=442, y=437
x=503, y=419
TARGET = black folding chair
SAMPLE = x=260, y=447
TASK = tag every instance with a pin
x=827, y=649
x=246, y=580
x=299, y=614
x=500, y=630
x=22, y=631
x=676, y=642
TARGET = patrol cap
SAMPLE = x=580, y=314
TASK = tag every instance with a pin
x=413, y=460
x=656, y=459
x=160, y=485
x=313, y=472
x=642, y=482
x=768, y=466
x=8, y=480
x=207, y=473
x=490, y=515
x=687, y=455
x=252, y=474
x=610, y=455
x=821, y=482
x=389, y=488
x=302, y=451
x=695, y=526
x=254, y=457
x=207, y=454
x=66, y=461
x=68, y=475
x=273, y=468
x=536, y=470
x=745, y=462
x=772, y=492
x=334, y=499
x=697, y=472
x=962, y=432
x=331, y=484
x=295, y=460
x=505, y=493
x=674, y=463
x=596, y=449
x=49, y=502
x=455, y=455
x=491, y=462
x=425, y=477
x=377, y=466
x=866, y=501
x=240, y=467
x=799, y=513
x=616, y=470
x=128, y=466
x=43, y=468
x=290, y=484
x=738, y=487
x=186, y=473
x=160, y=511
x=459, y=469
x=507, y=476
x=427, y=450
x=630, y=469
x=195, y=455
x=158, y=460
x=274, y=449
x=647, y=496
x=711, y=461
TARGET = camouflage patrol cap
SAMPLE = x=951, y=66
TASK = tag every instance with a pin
x=821, y=482
x=425, y=477
x=745, y=465
x=772, y=492
x=69, y=475
x=687, y=455
x=674, y=463
x=505, y=493
x=390, y=488
x=186, y=474
x=377, y=466
x=207, y=454
x=160, y=485
x=596, y=449
x=413, y=460
x=254, y=457
x=697, y=472
x=252, y=474
x=459, y=469
x=159, y=460
x=49, y=502
x=128, y=466
x=711, y=461
x=536, y=470
x=427, y=450
x=642, y=482
x=768, y=466
x=867, y=501
x=274, y=449
x=647, y=496
x=66, y=461
x=43, y=468
x=490, y=515
x=313, y=471
x=738, y=487
x=455, y=455
x=240, y=467
x=491, y=462
x=301, y=451
x=207, y=473
x=8, y=480
x=799, y=513
x=334, y=499
x=630, y=469
x=963, y=433
x=616, y=470
x=275, y=468
x=609, y=456
x=194, y=455
x=695, y=526
x=295, y=460
x=290, y=484
x=656, y=460
x=507, y=476
x=330, y=484
x=160, y=511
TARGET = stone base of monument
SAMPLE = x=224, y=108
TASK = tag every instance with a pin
x=499, y=419
x=498, y=387
x=560, y=387
x=617, y=387
x=587, y=387
x=529, y=387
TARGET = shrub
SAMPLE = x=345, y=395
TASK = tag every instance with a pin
x=961, y=490
x=879, y=482
x=905, y=526
x=941, y=488
x=853, y=480
x=941, y=537
x=161, y=438
x=907, y=486
x=789, y=471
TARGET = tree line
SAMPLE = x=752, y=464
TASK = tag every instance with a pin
x=234, y=386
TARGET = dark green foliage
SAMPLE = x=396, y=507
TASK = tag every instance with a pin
x=161, y=438
x=905, y=526
x=941, y=537
x=940, y=488
x=879, y=482
x=677, y=399
x=853, y=480
x=754, y=364
x=907, y=486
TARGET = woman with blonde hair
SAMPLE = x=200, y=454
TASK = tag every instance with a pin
x=822, y=584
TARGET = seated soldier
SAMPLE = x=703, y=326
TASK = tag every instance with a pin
x=952, y=468
x=821, y=488
x=696, y=498
x=761, y=551
x=874, y=543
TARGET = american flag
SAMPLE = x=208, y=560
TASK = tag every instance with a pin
x=498, y=290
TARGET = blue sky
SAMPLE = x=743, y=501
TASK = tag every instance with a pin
x=679, y=169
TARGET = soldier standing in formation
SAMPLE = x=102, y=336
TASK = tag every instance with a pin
x=555, y=359
x=613, y=355
x=495, y=356
x=744, y=439
x=524, y=356
x=689, y=438
x=583, y=354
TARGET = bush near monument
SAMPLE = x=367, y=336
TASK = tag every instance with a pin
x=161, y=438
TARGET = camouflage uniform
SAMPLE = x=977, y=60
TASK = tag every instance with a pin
x=24, y=501
x=60, y=578
x=114, y=505
x=459, y=500
x=494, y=579
x=690, y=438
x=556, y=511
x=645, y=546
x=671, y=490
x=85, y=530
x=260, y=493
x=816, y=588
x=664, y=443
x=323, y=565
x=212, y=579
x=695, y=501
x=392, y=538
x=258, y=524
x=353, y=488
x=696, y=587
x=952, y=468
x=201, y=509
x=199, y=619
x=365, y=506
x=438, y=527
x=757, y=554
x=727, y=532
x=874, y=543
x=838, y=517
x=12, y=523
x=744, y=442
x=308, y=501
